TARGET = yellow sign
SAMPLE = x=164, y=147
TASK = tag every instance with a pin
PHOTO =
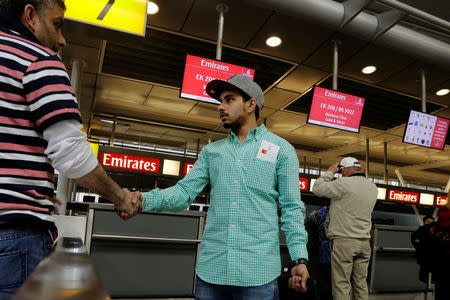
x=94, y=146
x=124, y=15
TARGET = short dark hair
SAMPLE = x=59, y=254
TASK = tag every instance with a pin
x=15, y=8
x=427, y=217
x=248, y=98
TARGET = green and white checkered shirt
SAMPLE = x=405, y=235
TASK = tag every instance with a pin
x=240, y=245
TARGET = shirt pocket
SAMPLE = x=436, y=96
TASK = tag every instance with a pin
x=262, y=174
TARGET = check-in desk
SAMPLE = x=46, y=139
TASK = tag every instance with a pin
x=393, y=268
x=150, y=255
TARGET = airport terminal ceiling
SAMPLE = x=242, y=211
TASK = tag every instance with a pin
x=138, y=80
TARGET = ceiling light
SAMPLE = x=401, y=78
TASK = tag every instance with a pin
x=273, y=41
x=369, y=69
x=107, y=121
x=443, y=92
x=152, y=8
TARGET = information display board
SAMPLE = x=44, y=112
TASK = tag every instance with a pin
x=426, y=130
x=336, y=110
x=199, y=71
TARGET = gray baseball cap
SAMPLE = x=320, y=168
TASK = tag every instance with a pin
x=241, y=83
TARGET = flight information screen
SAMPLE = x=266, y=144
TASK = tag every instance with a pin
x=199, y=71
x=426, y=130
x=336, y=110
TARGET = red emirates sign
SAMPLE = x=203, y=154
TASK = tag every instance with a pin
x=129, y=162
x=441, y=200
x=304, y=184
x=187, y=167
x=403, y=196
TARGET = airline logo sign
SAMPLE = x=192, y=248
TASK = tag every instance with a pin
x=129, y=162
x=403, y=196
x=441, y=200
x=187, y=168
x=303, y=184
x=123, y=15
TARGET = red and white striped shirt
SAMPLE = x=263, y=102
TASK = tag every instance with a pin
x=35, y=93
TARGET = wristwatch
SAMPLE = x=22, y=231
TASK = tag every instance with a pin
x=299, y=262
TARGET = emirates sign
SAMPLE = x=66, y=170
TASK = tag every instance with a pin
x=403, y=196
x=187, y=168
x=129, y=162
x=441, y=200
x=303, y=184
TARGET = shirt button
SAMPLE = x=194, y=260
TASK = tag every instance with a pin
x=234, y=203
x=239, y=160
x=235, y=181
x=232, y=226
x=231, y=249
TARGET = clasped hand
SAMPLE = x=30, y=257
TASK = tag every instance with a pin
x=130, y=204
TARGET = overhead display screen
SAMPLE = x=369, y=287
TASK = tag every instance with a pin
x=199, y=71
x=336, y=110
x=426, y=130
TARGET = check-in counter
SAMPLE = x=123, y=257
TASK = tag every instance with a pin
x=393, y=267
x=150, y=255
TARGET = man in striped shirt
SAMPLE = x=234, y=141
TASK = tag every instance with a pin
x=39, y=129
x=249, y=171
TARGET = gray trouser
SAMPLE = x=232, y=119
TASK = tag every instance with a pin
x=349, y=263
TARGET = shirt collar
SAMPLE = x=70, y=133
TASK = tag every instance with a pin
x=254, y=134
x=11, y=23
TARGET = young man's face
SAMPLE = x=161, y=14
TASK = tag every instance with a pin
x=428, y=221
x=48, y=27
x=232, y=109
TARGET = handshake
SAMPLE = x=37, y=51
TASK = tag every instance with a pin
x=128, y=204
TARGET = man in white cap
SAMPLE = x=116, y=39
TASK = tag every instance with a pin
x=353, y=198
x=249, y=172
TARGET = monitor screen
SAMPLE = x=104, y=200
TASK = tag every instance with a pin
x=198, y=71
x=426, y=130
x=336, y=110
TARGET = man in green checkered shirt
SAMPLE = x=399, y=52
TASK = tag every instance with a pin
x=248, y=171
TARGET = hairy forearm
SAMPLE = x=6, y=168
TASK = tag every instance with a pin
x=100, y=183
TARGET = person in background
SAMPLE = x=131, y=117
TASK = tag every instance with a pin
x=352, y=200
x=39, y=130
x=319, y=218
x=422, y=243
x=248, y=171
x=442, y=265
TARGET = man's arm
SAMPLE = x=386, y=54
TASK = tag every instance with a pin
x=292, y=209
x=325, y=187
x=100, y=183
x=72, y=156
x=181, y=195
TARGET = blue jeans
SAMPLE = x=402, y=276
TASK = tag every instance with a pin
x=21, y=250
x=208, y=291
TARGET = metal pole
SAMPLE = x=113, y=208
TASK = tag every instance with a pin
x=335, y=63
x=424, y=91
x=367, y=158
x=304, y=164
x=222, y=8
x=419, y=14
x=385, y=177
x=113, y=132
x=198, y=149
x=64, y=187
x=320, y=166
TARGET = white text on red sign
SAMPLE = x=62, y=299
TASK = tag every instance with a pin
x=403, y=196
x=129, y=162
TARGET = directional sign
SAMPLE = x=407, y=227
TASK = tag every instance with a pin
x=123, y=15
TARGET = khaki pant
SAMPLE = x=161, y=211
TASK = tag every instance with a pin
x=349, y=263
